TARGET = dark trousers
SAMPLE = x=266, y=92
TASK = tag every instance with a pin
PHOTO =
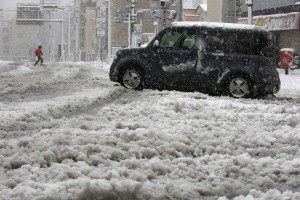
x=39, y=59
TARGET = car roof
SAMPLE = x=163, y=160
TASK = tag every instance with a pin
x=213, y=25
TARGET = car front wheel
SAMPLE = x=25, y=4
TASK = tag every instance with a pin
x=132, y=78
x=239, y=87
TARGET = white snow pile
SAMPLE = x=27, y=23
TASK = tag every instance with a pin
x=68, y=132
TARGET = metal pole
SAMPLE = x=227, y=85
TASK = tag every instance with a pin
x=99, y=48
x=235, y=10
x=76, y=35
x=69, y=50
x=131, y=13
x=250, y=14
x=10, y=42
x=163, y=6
x=62, y=37
x=129, y=29
x=180, y=10
x=164, y=22
x=50, y=39
x=109, y=33
x=99, y=35
x=76, y=39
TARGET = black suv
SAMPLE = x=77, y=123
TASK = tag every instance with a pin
x=216, y=58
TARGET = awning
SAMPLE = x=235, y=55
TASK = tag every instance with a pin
x=278, y=22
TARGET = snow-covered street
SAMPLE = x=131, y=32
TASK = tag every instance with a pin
x=68, y=132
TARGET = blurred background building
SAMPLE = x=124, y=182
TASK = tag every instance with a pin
x=26, y=25
x=281, y=17
x=78, y=30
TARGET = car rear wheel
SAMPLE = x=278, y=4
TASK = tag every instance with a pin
x=132, y=78
x=239, y=87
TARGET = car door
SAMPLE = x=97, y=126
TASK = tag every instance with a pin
x=211, y=54
x=176, y=57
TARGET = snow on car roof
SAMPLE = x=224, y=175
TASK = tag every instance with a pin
x=216, y=25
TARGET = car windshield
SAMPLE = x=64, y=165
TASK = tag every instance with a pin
x=177, y=39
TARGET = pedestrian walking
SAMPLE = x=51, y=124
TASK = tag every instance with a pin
x=39, y=54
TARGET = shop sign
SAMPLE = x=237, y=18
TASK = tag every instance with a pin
x=288, y=21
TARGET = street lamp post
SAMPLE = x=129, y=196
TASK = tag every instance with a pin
x=77, y=50
x=129, y=28
x=62, y=37
x=10, y=42
x=69, y=45
x=109, y=33
x=131, y=14
x=163, y=6
x=249, y=3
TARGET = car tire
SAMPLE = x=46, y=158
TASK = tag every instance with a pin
x=239, y=87
x=132, y=78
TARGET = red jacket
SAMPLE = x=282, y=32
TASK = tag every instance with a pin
x=38, y=52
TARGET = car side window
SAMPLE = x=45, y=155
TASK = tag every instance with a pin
x=189, y=42
x=178, y=39
x=170, y=39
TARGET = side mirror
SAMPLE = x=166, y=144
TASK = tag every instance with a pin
x=156, y=43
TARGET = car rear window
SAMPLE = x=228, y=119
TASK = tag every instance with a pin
x=251, y=43
x=248, y=43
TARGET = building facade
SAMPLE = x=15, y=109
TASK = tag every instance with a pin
x=21, y=33
x=224, y=10
x=87, y=30
x=281, y=17
x=270, y=4
x=16, y=41
x=147, y=18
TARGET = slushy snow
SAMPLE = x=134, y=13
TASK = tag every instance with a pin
x=68, y=132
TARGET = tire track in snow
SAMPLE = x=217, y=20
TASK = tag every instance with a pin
x=47, y=116
x=33, y=98
x=87, y=104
